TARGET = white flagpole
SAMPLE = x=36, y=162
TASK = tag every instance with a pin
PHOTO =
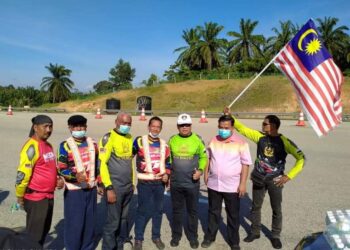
x=256, y=77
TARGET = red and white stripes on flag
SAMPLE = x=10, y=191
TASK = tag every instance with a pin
x=318, y=90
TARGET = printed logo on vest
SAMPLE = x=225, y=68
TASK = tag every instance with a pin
x=50, y=156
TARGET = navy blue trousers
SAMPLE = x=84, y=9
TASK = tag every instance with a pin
x=79, y=218
x=150, y=205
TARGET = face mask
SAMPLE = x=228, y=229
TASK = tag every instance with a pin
x=224, y=133
x=155, y=136
x=79, y=134
x=124, y=129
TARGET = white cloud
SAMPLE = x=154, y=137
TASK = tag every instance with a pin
x=15, y=43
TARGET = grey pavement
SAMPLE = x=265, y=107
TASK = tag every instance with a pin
x=323, y=184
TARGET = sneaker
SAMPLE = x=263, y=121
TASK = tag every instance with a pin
x=159, y=244
x=194, y=244
x=206, y=243
x=138, y=245
x=251, y=237
x=174, y=243
x=276, y=243
x=235, y=247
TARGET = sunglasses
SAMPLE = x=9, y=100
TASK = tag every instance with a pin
x=266, y=124
x=184, y=125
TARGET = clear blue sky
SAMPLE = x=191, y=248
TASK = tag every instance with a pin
x=89, y=36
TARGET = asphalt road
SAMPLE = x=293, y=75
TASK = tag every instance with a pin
x=323, y=184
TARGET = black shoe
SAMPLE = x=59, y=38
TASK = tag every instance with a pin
x=206, y=243
x=174, y=243
x=251, y=237
x=235, y=247
x=159, y=244
x=276, y=243
x=194, y=244
x=138, y=245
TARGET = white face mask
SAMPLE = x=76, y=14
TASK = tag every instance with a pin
x=155, y=136
x=79, y=134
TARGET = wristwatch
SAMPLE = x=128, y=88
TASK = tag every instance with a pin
x=110, y=187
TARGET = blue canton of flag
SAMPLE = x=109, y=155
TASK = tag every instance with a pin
x=300, y=43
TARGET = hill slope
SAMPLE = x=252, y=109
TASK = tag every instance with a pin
x=267, y=94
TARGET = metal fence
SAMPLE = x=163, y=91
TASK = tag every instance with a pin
x=244, y=115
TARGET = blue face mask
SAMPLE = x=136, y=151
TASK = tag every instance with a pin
x=79, y=134
x=124, y=129
x=224, y=133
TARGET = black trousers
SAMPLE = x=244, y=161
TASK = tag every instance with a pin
x=180, y=196
x=275, y=194
x=39, y=218
x=232, y=204
x=115, y=230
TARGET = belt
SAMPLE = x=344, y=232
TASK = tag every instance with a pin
x=30, y=191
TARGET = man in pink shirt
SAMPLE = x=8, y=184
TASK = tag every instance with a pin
x=37, y=179
x=226, y=177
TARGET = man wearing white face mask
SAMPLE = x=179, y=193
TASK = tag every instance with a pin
x=226, y=178
x=153, y=168
x=77, y=163
x=117, y=176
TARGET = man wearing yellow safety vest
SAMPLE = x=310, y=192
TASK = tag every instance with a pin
x=77, y=163
x=117, y=176
x=153, y=163
x=268, y=173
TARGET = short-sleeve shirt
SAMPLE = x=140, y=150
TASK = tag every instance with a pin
x=226, y=158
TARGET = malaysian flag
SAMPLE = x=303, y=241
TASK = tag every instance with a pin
x=315, y=78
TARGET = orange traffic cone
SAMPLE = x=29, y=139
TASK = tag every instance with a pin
x=203, y=118
x=143, y=116
x=98, y=114
x=9, y=111
x=301, y=120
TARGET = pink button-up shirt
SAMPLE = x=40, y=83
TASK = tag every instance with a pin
x=226, y=160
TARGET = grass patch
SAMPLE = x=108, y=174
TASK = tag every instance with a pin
x=267, y=94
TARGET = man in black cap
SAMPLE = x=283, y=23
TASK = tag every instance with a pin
x=37, y=179
x=77, y=163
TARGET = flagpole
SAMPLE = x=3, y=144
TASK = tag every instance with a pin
x=256, y=77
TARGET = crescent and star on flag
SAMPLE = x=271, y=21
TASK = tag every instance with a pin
x=313, y=46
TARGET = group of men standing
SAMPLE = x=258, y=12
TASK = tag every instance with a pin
x=84, y=169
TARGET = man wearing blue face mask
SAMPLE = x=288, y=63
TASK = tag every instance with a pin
x=226, y=178
x=77, y=163
x=117, y=176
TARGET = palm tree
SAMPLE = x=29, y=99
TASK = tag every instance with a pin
x=204, y=49
x=58, y=85
x=334, y=38
x=245, y=45
x=282, y=37
x=211, y=48
x=189, y=55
